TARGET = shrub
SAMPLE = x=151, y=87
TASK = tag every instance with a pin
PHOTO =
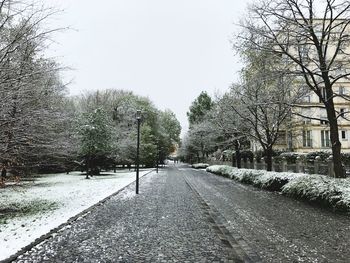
x=200, y=165
x=331, y=192
x=223, y=170
x=267, y=180
x=311, y=156
x=322, y=190
x=291, y=157
x=345, y=157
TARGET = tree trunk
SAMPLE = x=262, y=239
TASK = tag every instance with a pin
x=238, y=158
x=233, y=160
x=335, y=142
x=238, y=154
x=268, y=155
x=88, y=167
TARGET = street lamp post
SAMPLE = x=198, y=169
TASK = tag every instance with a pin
x=138, y=118
x=157, y=162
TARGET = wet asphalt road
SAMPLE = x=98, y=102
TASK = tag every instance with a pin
x=277, y=228
x=187, y=215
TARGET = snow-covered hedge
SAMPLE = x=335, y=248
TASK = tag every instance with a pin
x=321, y=189
x=267, y=180
x=315, y=188
x=200, y=165
x=223, y=170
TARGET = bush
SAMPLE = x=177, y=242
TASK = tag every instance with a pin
x=322, y=190
x=200, y=165
x=312, y=156
x=223, y=170
x=291, y=157
x=259, y=155
x=272, y=181
x=345, y=157
x=331, y=192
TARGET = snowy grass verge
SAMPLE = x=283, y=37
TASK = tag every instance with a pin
x=330, y=192
x=200, y=165
x=33, y=209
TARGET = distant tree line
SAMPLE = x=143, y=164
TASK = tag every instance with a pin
x=107, y=129
x=42, y=129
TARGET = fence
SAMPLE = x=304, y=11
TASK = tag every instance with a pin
x=316, y=166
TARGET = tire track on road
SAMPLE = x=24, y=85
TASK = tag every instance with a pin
x=241, y=252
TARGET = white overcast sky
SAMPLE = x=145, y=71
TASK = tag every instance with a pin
x=167, y=50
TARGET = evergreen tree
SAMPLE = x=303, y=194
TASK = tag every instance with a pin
x=95, y=137
x=199, y=107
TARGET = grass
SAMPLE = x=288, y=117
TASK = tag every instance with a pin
x=13, y=210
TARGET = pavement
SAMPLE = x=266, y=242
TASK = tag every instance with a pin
x=187, y=215
x=166, y=222
x=276, y=227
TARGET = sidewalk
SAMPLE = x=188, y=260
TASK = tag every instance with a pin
x=164, y=223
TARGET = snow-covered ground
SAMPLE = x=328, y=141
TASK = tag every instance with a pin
x=61, y=196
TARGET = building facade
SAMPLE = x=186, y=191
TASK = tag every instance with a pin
x=312, y=134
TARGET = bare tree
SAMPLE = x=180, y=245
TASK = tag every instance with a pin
x=227, y=126
x=313, y=39
x=29, y=85
x=262, y=101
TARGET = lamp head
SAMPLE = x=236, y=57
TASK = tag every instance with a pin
x=138, y=115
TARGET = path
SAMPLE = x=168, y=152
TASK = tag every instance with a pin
x=187, y=215
x=166, y=222
x=278, y=228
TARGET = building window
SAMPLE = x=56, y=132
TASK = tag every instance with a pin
x=341, y=90
x=343, y=135
x=281, y=138
x=325, y=142
x=303, y=52
x=342, y=112
x=323, y=120
x=307, y=141
x=324, y=93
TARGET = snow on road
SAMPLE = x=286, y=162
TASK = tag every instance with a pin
x=68, y=195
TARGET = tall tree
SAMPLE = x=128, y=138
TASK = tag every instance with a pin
x=95, y=139
x=30, y=89
x=199, y=107
x=168, y=133
x=159, y=130
x=313, y=39
x=263, y=100
x=226, y=123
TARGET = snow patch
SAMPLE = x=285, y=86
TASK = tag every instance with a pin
x=70, y=194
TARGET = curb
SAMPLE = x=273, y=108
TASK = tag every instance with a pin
x=69, y=221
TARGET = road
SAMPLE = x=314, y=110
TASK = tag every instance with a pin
x=277, y=228
x=187, y=215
